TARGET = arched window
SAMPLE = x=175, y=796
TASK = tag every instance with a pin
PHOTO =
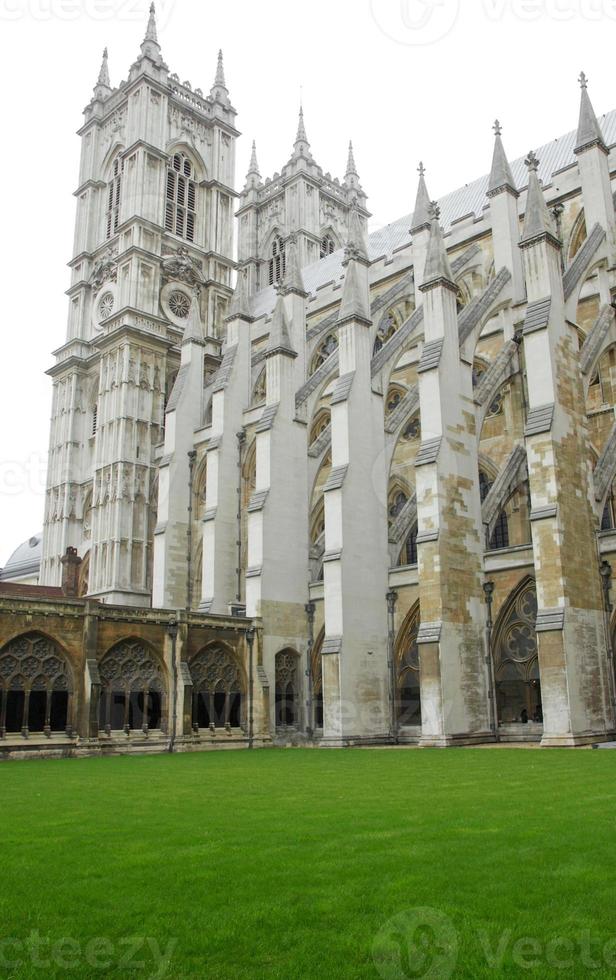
x=408, y=693
x=132, y=689
x=316, y=670
x=408, y=555
x=35, y=687
x=412, y=430
x=277, y=262
x=323, y=351
x=287, y=692
x=500, y=534
x=516, y=667
x=327, y=246
x=485, y=485
x=181, y=198
x=397, y=500
x=217, y=689
x=114, y=197
x=320, y=424
x=394, y=397
x=259, y=390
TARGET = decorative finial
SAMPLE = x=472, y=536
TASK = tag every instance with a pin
x=531, y=161
x=151, y=33
x=351, y=168
x=301, y=128
x=254, y=166
x=219, y=81
x=434, y=210
x=103, y=75
x=583, y=80
x=421, y=169
x=497, y=128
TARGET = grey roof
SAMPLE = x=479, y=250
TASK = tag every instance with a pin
x=26, y=558
x=468, y=200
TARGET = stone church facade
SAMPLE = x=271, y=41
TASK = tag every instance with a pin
x=359, y=491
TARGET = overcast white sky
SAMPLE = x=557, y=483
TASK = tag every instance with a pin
x=406, y=79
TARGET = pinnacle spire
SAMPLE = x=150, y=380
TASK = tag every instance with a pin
x=150, y=45
x=279, y=340
x=537, y=220
x=421, y=214
x=588, y=131
x=501, y=177
x=301, y=128
x=437, y=267
x=355, y=301
x=193, y=332
x=103, y=75
x=351, y=170
x=292, y=281
x=240, y=301
x=219, y=91
x=253, y=167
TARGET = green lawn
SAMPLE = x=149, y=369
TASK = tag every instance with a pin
x=293, y=864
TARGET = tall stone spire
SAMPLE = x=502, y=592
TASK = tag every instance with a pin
x=355, y=302
x=537, y=219
x=351, y=177
x=150, y=47
x=301, y=146
x=421, y=213
x=588, y=131
x=193, y=332
x=219, y=91
x=501, y=177
x=292, y=281
x=279, y=341
x=253, y=167
x=437, y=267
x=240, y=301
x=103, y=85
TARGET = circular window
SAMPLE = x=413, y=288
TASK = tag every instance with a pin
x=106, y=305
x=179, y=304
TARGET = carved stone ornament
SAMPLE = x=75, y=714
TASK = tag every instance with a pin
x=105, y=270
x=180, y=266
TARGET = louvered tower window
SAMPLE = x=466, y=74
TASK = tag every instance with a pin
x=278, y=262
x=181, y=198
x=114, y=196
x=327, y=246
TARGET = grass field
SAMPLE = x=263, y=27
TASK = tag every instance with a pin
x=302, y=863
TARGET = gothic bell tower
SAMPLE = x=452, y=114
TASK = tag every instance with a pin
x=154, y=230
x=300, y=202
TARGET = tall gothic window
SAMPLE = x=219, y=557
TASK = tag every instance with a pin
x=217, y=689
x=287, y=691
x=516, y=667
x=132, y=689
x=323, y=351
x=500, y=535
x=114, y=197
x=327, y=246
x=408, y=694
x=35, y=687
x=409, y=552
x=181, y=198
x=277, y=262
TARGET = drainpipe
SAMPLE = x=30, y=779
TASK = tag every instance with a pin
x=241, y=440
x=310, y=609
x=392, y=598
x=250, y=639
x=189, y=585
x=488, y=591
x=172, y=632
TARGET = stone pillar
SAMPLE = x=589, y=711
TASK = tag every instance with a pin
x=571, y=643
x=454, y=690
x=356, y=561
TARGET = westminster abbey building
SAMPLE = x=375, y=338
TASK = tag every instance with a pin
x=312, y=485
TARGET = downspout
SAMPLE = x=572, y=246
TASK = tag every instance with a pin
x=488, y=591
x=172, y=632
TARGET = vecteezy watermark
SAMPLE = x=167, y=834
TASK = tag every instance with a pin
x=130, y=953
x=416, y=22
x=99, y=10
x=423, y=943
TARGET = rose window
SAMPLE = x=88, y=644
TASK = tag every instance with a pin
x=105, y=306
x=179, y=304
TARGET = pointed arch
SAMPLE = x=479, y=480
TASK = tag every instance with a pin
x=133, y=687
x=287, y=703
x=515, y=657
x=406, y=658
x=219, y=687
x=316, y=671
x=36, y=686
